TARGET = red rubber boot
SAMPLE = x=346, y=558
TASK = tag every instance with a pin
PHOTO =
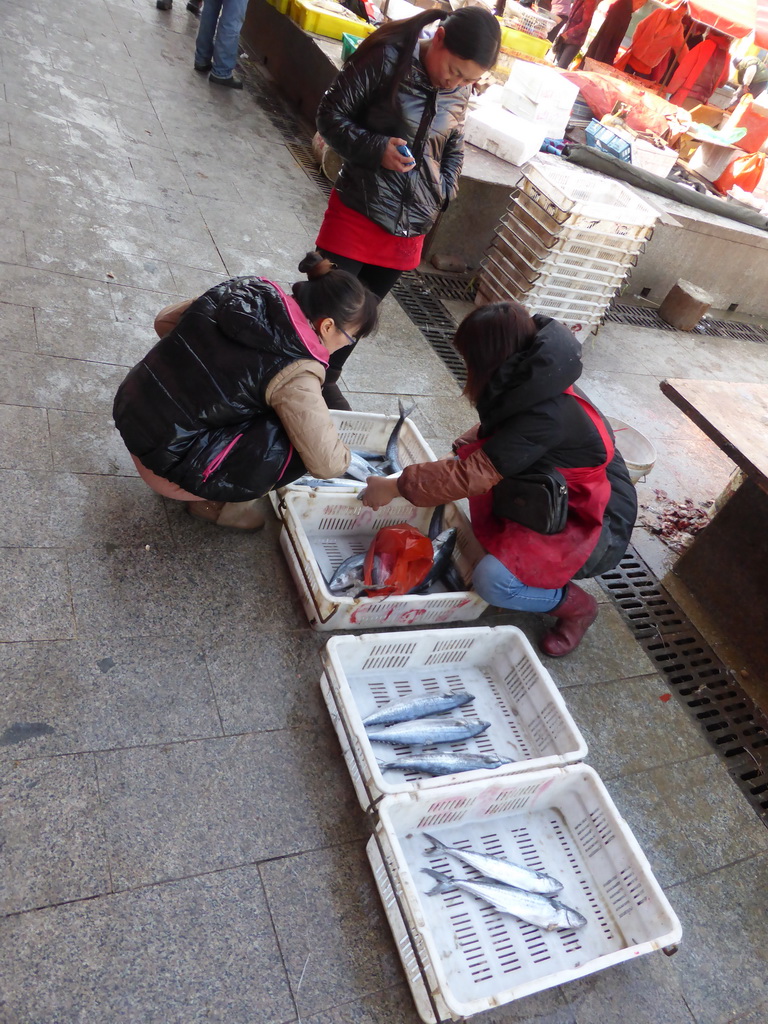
x=575, y=614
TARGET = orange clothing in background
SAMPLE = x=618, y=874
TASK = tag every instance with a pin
x=703, y=70
x=652, y=41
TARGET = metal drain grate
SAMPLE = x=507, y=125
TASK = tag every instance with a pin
x=643, y=316
x=730, y=720
x=433, y=320
x=461, y=287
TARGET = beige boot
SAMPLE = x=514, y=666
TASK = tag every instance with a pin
x=239, y=515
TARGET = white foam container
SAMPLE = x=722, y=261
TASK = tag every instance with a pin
x=540, y=94
x=321, y=529
x=460, y=955
x=370, y=431
x=507, y=136
x=497, y=665
x=636, y=449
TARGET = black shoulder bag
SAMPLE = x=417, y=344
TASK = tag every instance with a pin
x=537, y=499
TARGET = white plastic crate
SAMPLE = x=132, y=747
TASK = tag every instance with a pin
x=544, y=226
x=573, y=301
x=523, y=19
x=573, y=266
x=322, y=529
x=497, y=665
x=594, y=243
x=586, y=194
x=370, y=431
x=557, y=284
x=460, y=955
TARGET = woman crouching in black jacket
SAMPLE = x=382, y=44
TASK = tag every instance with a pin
x=228, y=404
x=520, y=376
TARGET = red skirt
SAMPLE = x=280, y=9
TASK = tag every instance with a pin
x=351, y=234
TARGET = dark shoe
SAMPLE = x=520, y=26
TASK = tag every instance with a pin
x=230, y=83
x=202, y=68
x=164, y=5
x=575, y=614
x=194, y=9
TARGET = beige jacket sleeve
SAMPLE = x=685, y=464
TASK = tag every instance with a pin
x=296, y=396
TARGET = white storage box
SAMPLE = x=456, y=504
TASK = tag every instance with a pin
x=370, y=431
x=540, y=94
x=497, y=665
x=462, y=956
x=579, y=242
x=507, y=136
x=322, y=529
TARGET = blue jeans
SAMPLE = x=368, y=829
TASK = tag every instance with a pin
x=218, y=38
x=496, y=585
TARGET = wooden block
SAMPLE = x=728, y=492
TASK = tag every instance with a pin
x=684, y=305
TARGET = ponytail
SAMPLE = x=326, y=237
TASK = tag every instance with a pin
x=334, y=293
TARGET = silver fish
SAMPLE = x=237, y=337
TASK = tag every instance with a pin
x=425, y=731
x=545, y=913
x=348, y=574
x=442, y=550
x=417, y=707
x=331, y=481
x=501, y=870
x=360, y=469
x=394, y=437
x=453, y=579
x=445, y=764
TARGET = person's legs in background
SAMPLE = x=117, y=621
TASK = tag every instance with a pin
x=205, y=35
x=226, y=45
x=379, y=280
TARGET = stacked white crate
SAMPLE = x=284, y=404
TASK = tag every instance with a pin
x=545, y=809
x=566, y=244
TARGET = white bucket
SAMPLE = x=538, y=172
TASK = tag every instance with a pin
x=637, y=451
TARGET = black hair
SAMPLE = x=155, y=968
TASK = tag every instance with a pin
x=334, y=293
x=487, y=337
x=471, y=33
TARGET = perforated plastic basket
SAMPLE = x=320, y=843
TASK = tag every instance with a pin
x=370, y=431
x=544, y=226
x=590, y=195
x=513, y=691
x=582, y=242
x=321, y=530
x=564, y=284
x=462, y=956
x=546, y=299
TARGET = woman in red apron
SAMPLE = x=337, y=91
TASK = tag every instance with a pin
x=520, y=372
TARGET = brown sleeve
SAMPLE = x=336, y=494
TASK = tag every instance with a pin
x=296, y=396
x=434, y=483
x=467, y=437
x=167, y=318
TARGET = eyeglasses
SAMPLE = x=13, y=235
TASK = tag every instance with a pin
x=350, y=339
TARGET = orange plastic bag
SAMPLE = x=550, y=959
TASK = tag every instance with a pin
x=744, y=171
x=403, y=557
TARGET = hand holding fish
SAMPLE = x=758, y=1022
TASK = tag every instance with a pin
x=379, y=491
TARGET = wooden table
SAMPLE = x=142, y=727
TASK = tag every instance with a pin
x=726, y=566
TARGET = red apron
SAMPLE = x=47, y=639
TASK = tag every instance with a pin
x=548, y=560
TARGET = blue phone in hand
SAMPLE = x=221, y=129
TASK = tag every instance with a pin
x=405, y=152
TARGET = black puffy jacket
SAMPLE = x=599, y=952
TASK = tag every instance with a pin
x=545, y=424
x=356, y=119
x=193, y=410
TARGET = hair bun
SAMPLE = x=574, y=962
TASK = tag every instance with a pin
x=316, y=265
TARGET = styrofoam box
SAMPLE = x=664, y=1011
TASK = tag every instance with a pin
x=497, y=665
x=587, y=194
x=468, y=955
x=322, y=529
x=504, y=134
x=540, y=94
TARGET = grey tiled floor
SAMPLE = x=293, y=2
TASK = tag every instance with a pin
x=180, y=840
